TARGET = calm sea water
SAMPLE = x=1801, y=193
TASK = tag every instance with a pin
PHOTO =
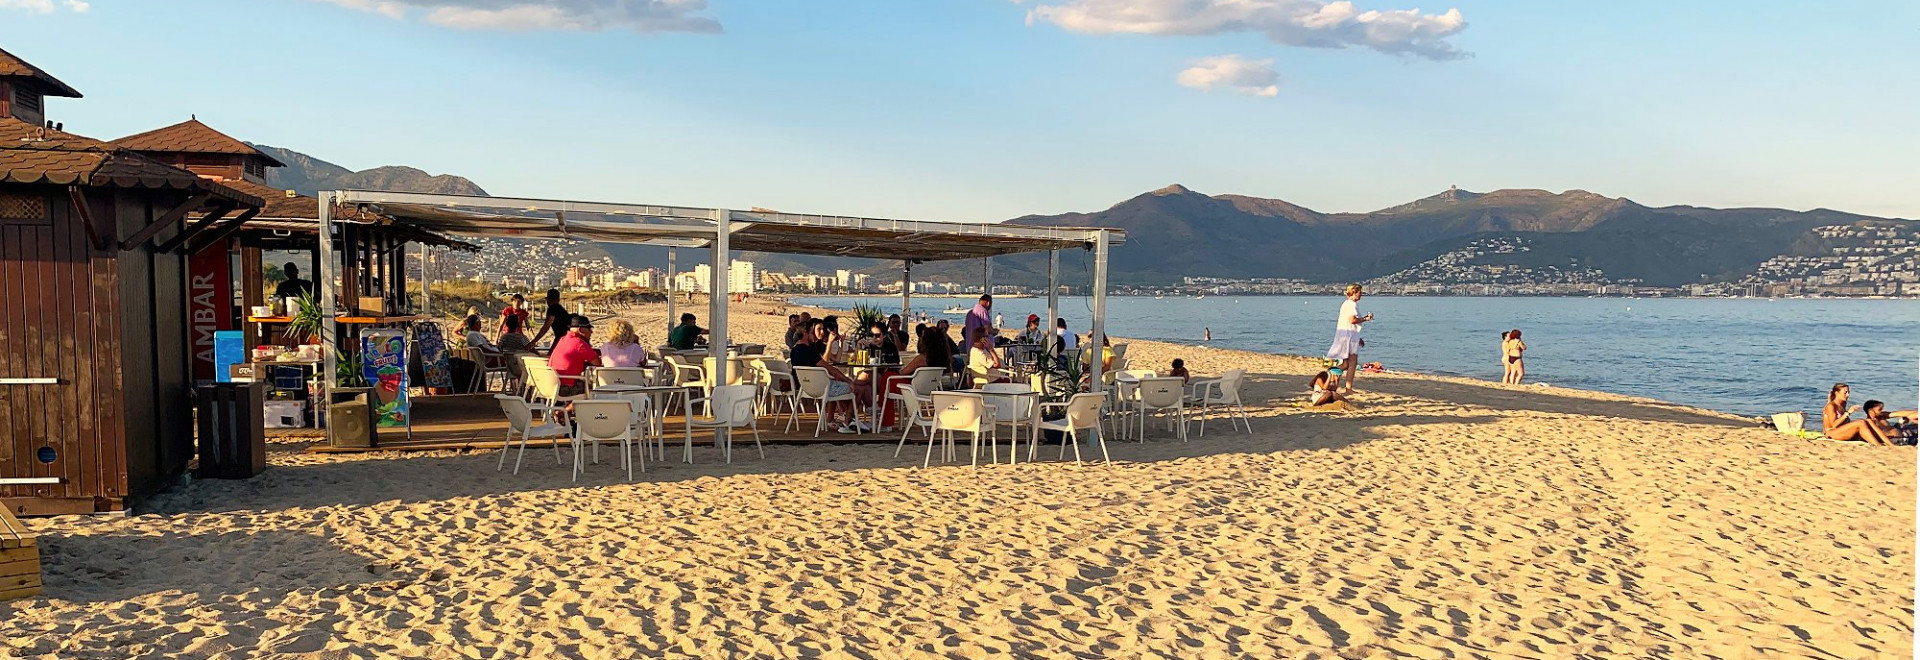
x=1745, y=356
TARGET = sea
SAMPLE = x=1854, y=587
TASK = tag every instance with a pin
x=1747, y=356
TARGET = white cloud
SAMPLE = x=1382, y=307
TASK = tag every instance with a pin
x=78, y=7
x=1233, y=73
x=1311, y=23
x=635, y=15
x=35, y=6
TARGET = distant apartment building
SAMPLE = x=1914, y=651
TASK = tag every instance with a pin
x=742, y=277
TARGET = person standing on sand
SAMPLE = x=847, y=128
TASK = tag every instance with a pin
x=1346, y=336
x=1511, y=349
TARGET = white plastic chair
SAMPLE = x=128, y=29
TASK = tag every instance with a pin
x=685, y=377
x=546, y=386
x=1125, y=401
x=814, y=382
x=520, y=423
x=602, y=420
x=732, y=407
x=646, y=421
x=776, y=384
x=1083, y=414
x=924, y=381
x=1223, y=392
x=1013, y=411
x=1163, y=395
x=919, y=413
x=604, y=376
x=963, y=411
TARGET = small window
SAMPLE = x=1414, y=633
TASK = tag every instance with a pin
x=28, y=101
x=18, y=209
x=255, y=168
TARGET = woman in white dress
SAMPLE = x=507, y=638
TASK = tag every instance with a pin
x=1346, y=336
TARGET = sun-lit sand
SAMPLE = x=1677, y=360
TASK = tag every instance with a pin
x=1448, y=518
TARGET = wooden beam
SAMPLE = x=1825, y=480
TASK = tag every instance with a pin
x=220, y=209
x=100, y=237
x=192, y=202
x=225, y=229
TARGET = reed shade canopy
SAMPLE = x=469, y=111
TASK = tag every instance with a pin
x=724, y=230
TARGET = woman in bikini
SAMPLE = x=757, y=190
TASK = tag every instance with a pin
x=1837, y=420
x=1511, y=349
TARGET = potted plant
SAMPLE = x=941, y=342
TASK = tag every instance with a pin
x=304, y=323
x=1057, y=378
x=864, y=316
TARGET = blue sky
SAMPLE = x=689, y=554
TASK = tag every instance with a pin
x=990, y=109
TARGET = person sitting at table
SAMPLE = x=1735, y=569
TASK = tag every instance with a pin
x=984, y=361
x=470, y=328
x=686, y=336
x=572, y=354
x=623, y=347
x=1033, y=335
x=512, y=340
x=1179, y=371
x=1063, y=341
x=900, y=337
x=942, y=329
x=878, y=337
x=812, y=352
x=793, y=330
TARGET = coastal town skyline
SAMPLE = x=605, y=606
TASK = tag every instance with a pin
x=982, y=114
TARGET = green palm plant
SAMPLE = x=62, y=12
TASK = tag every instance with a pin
x=305, y=321
x=864, y=316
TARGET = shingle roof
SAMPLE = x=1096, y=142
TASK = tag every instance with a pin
x=282, y=206
x=193, y=137
x=35, y=154
x=14, y=67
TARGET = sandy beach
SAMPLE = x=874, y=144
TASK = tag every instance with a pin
x=1448, y=518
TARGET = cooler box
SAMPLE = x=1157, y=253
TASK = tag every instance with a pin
x=285, y=414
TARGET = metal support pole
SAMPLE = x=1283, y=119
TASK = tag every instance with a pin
x=986, y=278
x=673, y=278
x=718, y=294
x=1053, y=296
x=1099, y=335
x=426, y=280
x=906, y=292
x=328, y=328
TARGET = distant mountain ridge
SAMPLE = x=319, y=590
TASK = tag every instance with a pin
x=308, y=175
x=1176, y=232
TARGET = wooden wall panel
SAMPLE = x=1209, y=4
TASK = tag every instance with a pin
x=109, y=391
x=137, y=344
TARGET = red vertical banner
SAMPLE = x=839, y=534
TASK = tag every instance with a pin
x=209, y=303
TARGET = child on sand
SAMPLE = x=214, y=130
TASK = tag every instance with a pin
x=1179, y=370
x=1324, y=390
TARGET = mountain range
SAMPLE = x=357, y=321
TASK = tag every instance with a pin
x=1175, y=232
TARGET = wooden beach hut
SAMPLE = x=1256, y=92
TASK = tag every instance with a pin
x=95, y=405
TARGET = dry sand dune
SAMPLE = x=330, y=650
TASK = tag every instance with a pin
x=1447, y=519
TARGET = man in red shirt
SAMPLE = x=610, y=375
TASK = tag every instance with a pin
x=571, y=355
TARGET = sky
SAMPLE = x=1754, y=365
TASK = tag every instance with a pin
x=984, y=110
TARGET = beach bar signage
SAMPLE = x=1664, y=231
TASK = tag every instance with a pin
x=209, y=304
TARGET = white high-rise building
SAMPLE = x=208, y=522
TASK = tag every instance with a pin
x=742, y=277
x=690, y=282
x=843, y=278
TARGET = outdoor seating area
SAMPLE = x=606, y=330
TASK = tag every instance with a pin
x=630, y=416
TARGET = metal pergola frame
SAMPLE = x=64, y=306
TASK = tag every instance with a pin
x=724, y=230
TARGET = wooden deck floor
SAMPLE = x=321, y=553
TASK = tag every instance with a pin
x=475, y=421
